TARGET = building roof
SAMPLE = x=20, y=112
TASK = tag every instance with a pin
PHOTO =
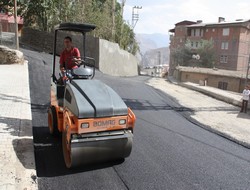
x=182, y=23
x=223, y=23
x=210, y=71
x=10, y=19
x=191, y=24
x=185, y=22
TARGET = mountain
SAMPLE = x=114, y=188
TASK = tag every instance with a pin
x=153, y=49
x=152, y=41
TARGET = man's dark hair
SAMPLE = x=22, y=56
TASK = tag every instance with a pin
x=68, y=38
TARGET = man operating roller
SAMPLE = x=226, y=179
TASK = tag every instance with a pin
x=70, y=56
x=69, y=59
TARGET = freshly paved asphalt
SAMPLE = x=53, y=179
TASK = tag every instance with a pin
x=169, y=152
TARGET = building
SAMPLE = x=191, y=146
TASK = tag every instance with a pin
x=223, y=79
x=231, y=41
x=7, y=21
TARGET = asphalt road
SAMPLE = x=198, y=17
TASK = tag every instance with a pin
x=169, y=152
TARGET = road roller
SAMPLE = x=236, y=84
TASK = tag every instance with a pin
x=91, y=118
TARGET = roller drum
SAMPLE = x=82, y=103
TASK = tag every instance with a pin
x=100, y=149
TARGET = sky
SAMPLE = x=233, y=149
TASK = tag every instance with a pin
x=158, y=16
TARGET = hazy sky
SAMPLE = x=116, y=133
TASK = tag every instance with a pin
x=158, y=16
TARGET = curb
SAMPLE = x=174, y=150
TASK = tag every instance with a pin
x=18, y=161
x=213, y=95
x=208, y=93
x=26, y=171
x=224, y=135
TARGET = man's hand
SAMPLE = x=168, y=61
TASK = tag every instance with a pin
x=77, y=61
x=62, y=69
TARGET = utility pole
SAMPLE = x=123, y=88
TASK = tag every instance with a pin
x=16, y=25
x=135, y=15
x=122, y=7
x=122, y=10
x=159, y=57
x=113, y=20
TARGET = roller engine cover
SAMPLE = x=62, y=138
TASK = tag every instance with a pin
x=93, y=99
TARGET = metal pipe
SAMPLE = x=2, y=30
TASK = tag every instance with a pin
x=16, y=25
x=248, y=64
x=54, y=57
x=84, y=45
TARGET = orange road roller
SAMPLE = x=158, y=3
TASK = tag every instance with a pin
x=93, y=120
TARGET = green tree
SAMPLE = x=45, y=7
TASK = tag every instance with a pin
x=45, y=14
x=184, y=55
x=207, y=53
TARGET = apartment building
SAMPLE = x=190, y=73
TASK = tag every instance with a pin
x=231, y=41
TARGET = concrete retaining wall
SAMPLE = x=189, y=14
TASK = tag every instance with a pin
x=110, y=59
x=115, y=61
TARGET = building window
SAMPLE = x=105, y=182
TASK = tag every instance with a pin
x=225, y=32
x=223, y=58
x=206, y=30
x=222, y=85
x=192, y=32
x=196, y=44
x=192, y=44
x=201, y=44
x=197, y=32
x=224, y=45
x=201, y=32
x=213, y=30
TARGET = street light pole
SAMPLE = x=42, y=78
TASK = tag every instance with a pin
x=16, y=25
x=159, y=57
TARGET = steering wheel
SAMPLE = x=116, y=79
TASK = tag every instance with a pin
x=78, y=61
x=73, y=59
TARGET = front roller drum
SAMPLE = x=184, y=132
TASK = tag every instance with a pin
x=97, y=149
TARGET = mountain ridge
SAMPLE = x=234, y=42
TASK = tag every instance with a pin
x=153, y=49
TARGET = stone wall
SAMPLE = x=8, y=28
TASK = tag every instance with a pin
x=38, y=40
x=110, y=59
x=42, y=41
x=10, y=56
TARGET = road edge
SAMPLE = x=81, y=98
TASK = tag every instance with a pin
x=26, y=175
x=201, y=125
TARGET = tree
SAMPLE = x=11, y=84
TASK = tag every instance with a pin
x=184, y=55
x=8, y=6
x=207, y=53
x=107, y=15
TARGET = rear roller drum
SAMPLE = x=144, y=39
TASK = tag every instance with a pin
x=52, y=121
x=66, y=144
